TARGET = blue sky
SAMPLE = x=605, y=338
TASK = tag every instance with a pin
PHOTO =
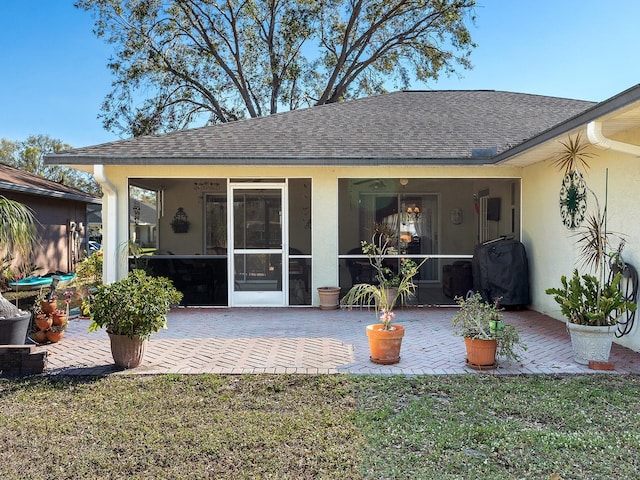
x=53, y=74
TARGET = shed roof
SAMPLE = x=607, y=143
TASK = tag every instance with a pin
x=442, y=126
x=15, y=180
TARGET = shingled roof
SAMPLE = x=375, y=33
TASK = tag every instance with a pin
x=15, y=180
x=447, y=126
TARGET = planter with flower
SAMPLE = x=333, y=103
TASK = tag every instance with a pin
x=485, y=335
x=385, y=338
x=130, y=310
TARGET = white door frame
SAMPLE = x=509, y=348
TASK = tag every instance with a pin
x=268, y=297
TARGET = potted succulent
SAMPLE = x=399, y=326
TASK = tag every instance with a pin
x=486, y=336
x=592, y=309
x=130, y=310
x=385, y=338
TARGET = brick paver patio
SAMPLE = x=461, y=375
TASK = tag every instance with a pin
x=309, y=340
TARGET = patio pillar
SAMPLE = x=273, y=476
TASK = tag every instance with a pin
x=325, y=234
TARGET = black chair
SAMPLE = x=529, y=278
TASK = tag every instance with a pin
x=359, y=268
x=457, y=279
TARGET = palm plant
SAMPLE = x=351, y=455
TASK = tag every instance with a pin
x=573, y=156
x=17, y=235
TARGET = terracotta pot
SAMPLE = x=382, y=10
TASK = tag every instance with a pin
x=127, y=352
x=384, y=345
x=480, y=352
x=59, y=319
x=48, y=307
x=39, y=337
x=329, y=297
x=54, y=336
x=44, y=321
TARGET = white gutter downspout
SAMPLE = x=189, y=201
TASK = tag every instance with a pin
x=109, y=226
x=595, y=136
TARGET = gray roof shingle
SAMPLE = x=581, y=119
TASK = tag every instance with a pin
x=442, y=125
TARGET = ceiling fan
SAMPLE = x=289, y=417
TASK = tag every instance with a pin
x=374, y=183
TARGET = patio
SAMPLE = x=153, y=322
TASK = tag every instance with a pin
x=313, y=341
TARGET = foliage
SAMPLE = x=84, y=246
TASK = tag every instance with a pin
x=181, y=61
x=135, y=305
x=592, y=299
x=17, y=228
x=584, y=302
x=17, y=235
x=573, y=156
x=496, y=427
x=89, y=271
x=179, y=225
x=481, y=320
x=28, y=155
x=391, y=289
x=88, y=277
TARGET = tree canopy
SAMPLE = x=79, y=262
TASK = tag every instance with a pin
x=28, y=155
x=177, y=63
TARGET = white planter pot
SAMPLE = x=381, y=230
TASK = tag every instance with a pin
x=591, y=343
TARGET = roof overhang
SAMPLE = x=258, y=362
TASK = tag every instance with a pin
x=616, y=115
x=6, y=186
x=259, y=160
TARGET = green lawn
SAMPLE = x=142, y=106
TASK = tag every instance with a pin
x=333, y=427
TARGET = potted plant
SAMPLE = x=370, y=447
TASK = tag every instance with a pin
x=592, y=304
x=385, y=338
x=130, y=310
x=592, y=310
x=329, y=297
x=55, y=332
x=17, y=235
x=486, y=336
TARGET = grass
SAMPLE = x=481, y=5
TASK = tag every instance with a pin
x=333, y=427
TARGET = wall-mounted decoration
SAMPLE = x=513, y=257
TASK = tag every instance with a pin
x=573, y=200
x=180, y=222
x=456, y=216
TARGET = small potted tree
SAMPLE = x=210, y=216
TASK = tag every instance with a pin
x=131, y=309
x=486, y=336
x=385, y=338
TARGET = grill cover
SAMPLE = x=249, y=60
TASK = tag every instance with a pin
x=500, y=270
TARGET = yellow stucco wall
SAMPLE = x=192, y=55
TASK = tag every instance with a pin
x=551, y=248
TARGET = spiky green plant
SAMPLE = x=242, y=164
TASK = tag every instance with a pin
x=584, y=300
x=573, y=156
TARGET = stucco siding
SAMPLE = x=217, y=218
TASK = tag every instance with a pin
x=551, y=247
